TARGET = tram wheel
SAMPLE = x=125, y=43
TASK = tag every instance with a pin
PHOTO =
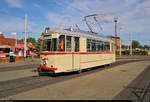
x=79, y=71
x=108, y=65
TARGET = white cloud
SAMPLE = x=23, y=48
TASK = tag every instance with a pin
x=60, y=20
x=137, y=20
x=132, y=14
x=11, y=25
x=15, y=3
x=17, y=25
x=37, y=5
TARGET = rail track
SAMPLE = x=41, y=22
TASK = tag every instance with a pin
x=141, y=91
x=19, y=67
x=138, y=90
x=12, y=87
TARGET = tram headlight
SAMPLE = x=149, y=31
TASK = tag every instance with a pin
x=44, y=61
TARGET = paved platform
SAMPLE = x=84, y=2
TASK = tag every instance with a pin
x=16, y=74
x=102, y=85
x=27, y=62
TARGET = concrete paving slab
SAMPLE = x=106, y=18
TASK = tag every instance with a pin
x=10, y=75
x=103, y=85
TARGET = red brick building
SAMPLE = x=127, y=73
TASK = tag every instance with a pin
x=10, y=41
x=16, y=45
x=117, y=41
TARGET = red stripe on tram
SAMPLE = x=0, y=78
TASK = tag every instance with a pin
x=62, y=53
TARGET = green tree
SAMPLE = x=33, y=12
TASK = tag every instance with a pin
x=135, y=44
x=124, y=46
x=146, y=47
x=41, y=45
x=31, y=40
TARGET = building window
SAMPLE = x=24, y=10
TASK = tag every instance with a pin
x=88, y=45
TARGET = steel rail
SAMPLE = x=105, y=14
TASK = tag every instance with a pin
x=15, y=86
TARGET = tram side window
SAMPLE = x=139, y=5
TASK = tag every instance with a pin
x=106, y=46
x=102, y=46
x=68, y=43
x=44, y=45
x=99, y=46
x=93, y=45
x=61, y=45
x=54, y=44
x=76, y=40
x=88, y=45
x=48, y=45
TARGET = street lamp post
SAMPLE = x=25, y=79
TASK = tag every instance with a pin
x=115, y=20
x=25, y=38
x=120, y=49
x=130, y=45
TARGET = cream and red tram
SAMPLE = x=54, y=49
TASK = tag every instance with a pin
x=66, y=51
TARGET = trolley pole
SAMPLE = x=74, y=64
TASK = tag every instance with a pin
x=25, y=37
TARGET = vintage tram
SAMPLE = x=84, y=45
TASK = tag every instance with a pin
x=66, y=50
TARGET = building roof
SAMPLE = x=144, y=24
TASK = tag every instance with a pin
x=113, y=37
x=10, y=40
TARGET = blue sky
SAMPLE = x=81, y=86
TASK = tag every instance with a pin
x=133, y=16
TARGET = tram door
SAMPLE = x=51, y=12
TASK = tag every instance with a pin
x=76, y=56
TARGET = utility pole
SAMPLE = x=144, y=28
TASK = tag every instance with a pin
x=120, y=47
x=130, y=45
x=115, y=20
x=25, y=37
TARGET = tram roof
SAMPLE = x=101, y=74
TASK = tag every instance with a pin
x=80, y=33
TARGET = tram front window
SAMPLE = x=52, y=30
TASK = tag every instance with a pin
x=55, y=44
x=51, y=44
x=61, y=45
